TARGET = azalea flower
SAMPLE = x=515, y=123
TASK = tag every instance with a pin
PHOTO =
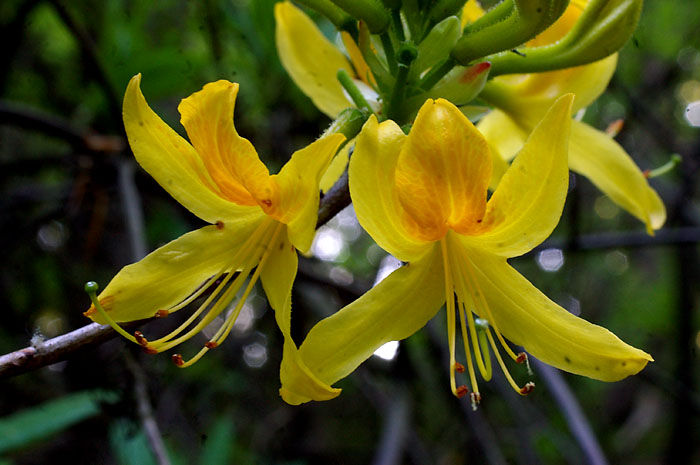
x=521, y=100
x=256, y=222
x=423, y=198
x=313, y=63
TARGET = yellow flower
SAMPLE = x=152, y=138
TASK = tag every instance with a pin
x=423, y=198
x=313, y=61
x=256, y=220
x=522, y=99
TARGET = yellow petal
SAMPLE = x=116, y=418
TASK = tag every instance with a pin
x=393, y=310
x=504, y=134
x=526, y=97
x=597, y=156
x=310, y=59
x=371, y=177
x=172, y=161
x=471, y=12
x=527, y=204
x=298, y=185
x=231, y=160
x=277, y=278
x=362, y=70
x=169, y=274
x=443, y=172
x=337, y=167
x=528, y=318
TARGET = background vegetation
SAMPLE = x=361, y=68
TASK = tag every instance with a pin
x=66, y=205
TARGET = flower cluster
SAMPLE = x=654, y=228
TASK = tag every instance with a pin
x=439, y=103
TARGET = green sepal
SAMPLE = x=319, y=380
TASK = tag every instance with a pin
x=603, y=28
x=509, y=25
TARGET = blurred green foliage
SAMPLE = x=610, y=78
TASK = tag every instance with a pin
x=63, y=224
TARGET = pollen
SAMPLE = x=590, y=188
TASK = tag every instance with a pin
x=161, y=313
x=177, y=360
x=462, y=391
x=211, y=345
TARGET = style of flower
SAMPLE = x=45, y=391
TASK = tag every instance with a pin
x=521, y=100
x=423, y=198
x=257, y=220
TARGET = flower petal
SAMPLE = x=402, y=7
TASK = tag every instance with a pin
x=371, y=177
x=394, y=309
x=337, y=167
x=169, y=274
x=310, y=59
x=231, y=160
x=503, y=133
x=527, y=204
x=528, y=318
x=443, y=172
x=172, y=161
x=597, y=156
x=298, y=182
x=277, y=277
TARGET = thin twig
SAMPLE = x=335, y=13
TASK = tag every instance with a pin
x=145, y=412
x=57, y=349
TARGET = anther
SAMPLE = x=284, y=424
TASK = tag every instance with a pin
x=161, y=313
x=461, y=391
x=476, y=399
x=615, y=127
x=140, y=339
x=211, y=345
x=522, y=358
x=527, y=389
x=177, y=360
x=219, y=224
x=150, y=350
x=459, y=368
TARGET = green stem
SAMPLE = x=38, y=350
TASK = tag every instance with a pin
x=436, y=73
x=398, y=25
x=353, y=91
x=371, y=12
x=395, y=103
x=389, y=51
x=340, y=19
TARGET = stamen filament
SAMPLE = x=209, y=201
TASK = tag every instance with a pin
x=510, y=379
x=225, y=329
x=163, y=343
x=481, y=327
x=228, y=266
x=467, y=351
x=450, y=307
x=486, y=374
x=487, y=310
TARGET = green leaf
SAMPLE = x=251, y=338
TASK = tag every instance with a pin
x=33, y=424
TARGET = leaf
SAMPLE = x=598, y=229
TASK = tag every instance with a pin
x=35, y=423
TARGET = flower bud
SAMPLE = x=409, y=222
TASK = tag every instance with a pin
x=602, y=29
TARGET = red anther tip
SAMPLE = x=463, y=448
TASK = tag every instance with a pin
x=462, y=391
x=646, y=173
x=522, y=357
x=459, y=368
x=177, y=360
x=149, y=350
x=211, y=345
x=162, y=313
x=527, y=389
x=220, y=224
x=138, y=335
